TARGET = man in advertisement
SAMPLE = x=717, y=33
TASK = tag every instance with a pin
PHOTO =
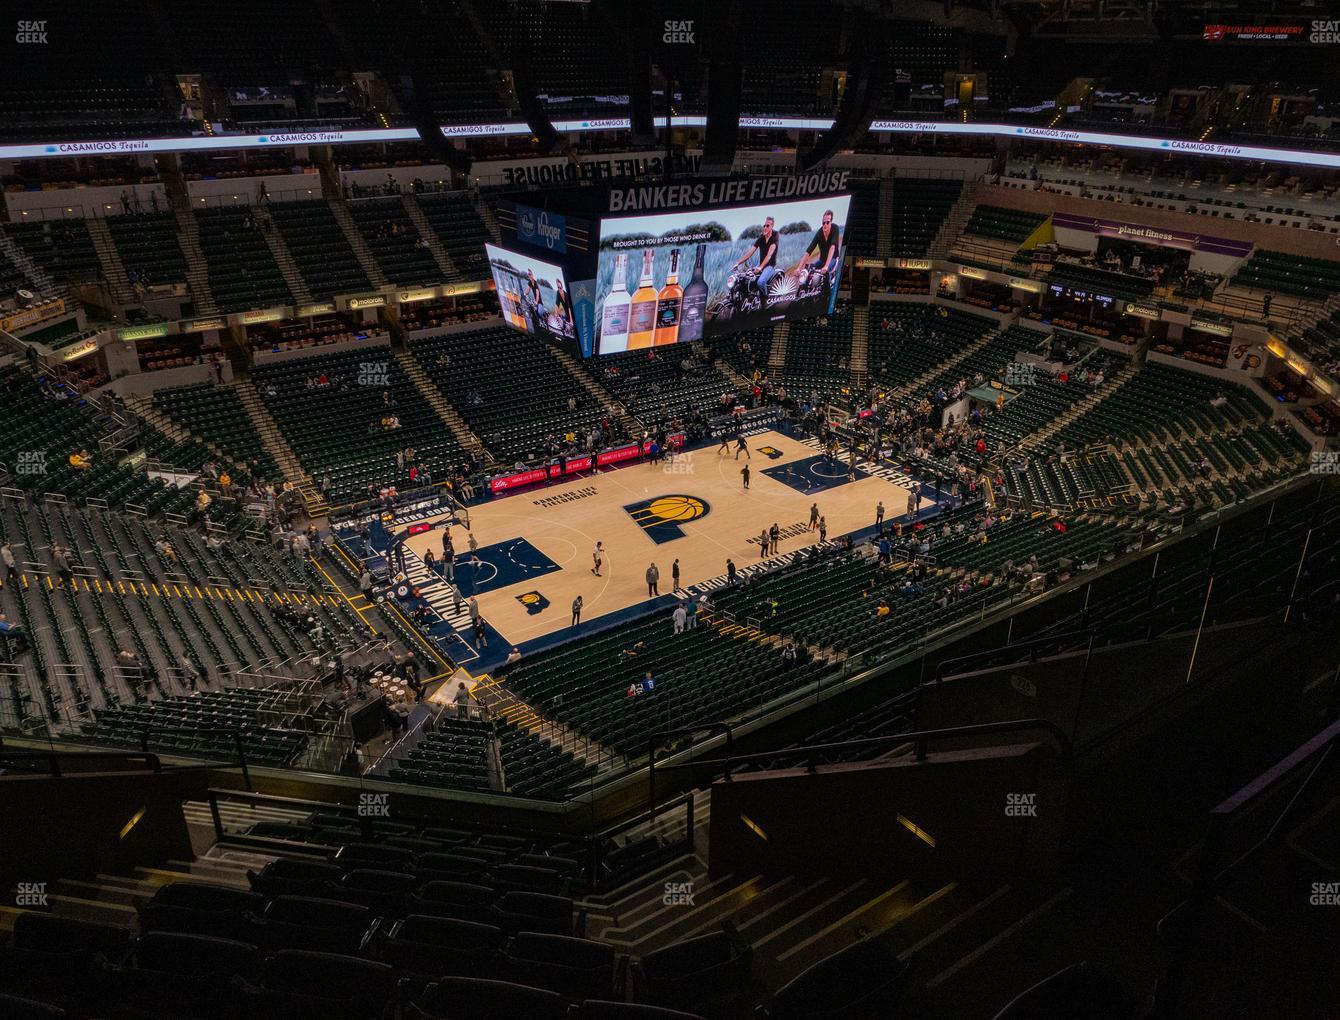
x=824, y=248
x=532, y=294
x=766, y=247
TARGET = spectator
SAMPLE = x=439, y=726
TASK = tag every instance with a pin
x=13, y=633
x=461, y=699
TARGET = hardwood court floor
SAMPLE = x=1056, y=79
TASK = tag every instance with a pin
x=695, y=509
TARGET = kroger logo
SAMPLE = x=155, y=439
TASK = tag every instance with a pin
x=539, y=227
x=545, y=231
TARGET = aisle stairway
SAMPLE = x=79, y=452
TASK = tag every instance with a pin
x=358, y=243
x=860, y=346
x=467, y=439
x=884, y=226
x=781, y=337
x=143, y=407
x=271, y=437
x=485, y=210
x=954, y=223
x=918, y=386
x=794, y=921
x=426, y=231
x=602, y=396
x=1110, y=385
x=197, y=273
x=113, y=269
x=282, y=256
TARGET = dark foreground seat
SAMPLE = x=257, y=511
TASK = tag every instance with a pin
x=463, y=998
x=862, y=981
x=575, y=967
x=709, y=967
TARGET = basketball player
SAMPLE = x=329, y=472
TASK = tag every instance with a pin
x=814, y=516
x=744, y=473
x=742, y=446
x=598, y=557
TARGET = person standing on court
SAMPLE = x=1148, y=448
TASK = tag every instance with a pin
x=674, y=575
x=653, y=577
x=879, y=513
x=823, y=530
x=577, y=611
x=744, y=473
x=473, y=603
x=680, y=616
x=730, y=572
x=814, y=516
x=741, y=446
x=474, y=547
x=597, y=557
x=764, y=543
x=913, y=503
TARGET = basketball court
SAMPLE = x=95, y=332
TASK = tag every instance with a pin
x=535, y=547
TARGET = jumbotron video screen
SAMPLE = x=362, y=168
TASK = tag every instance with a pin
x=532, y=294
x=672, y=277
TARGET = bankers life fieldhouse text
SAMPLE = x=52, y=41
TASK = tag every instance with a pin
x=675, y=196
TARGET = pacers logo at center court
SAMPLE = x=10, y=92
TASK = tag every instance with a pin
x=771, y=452
x=663, y=518
x=533, y=601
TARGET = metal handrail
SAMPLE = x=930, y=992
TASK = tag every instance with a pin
x=920, y=737
x=54, y=758
x=1210, y=878
x=593, y=841
x=655, y=738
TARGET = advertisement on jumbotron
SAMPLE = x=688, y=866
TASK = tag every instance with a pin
x=678, y=276
x=532, y=295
